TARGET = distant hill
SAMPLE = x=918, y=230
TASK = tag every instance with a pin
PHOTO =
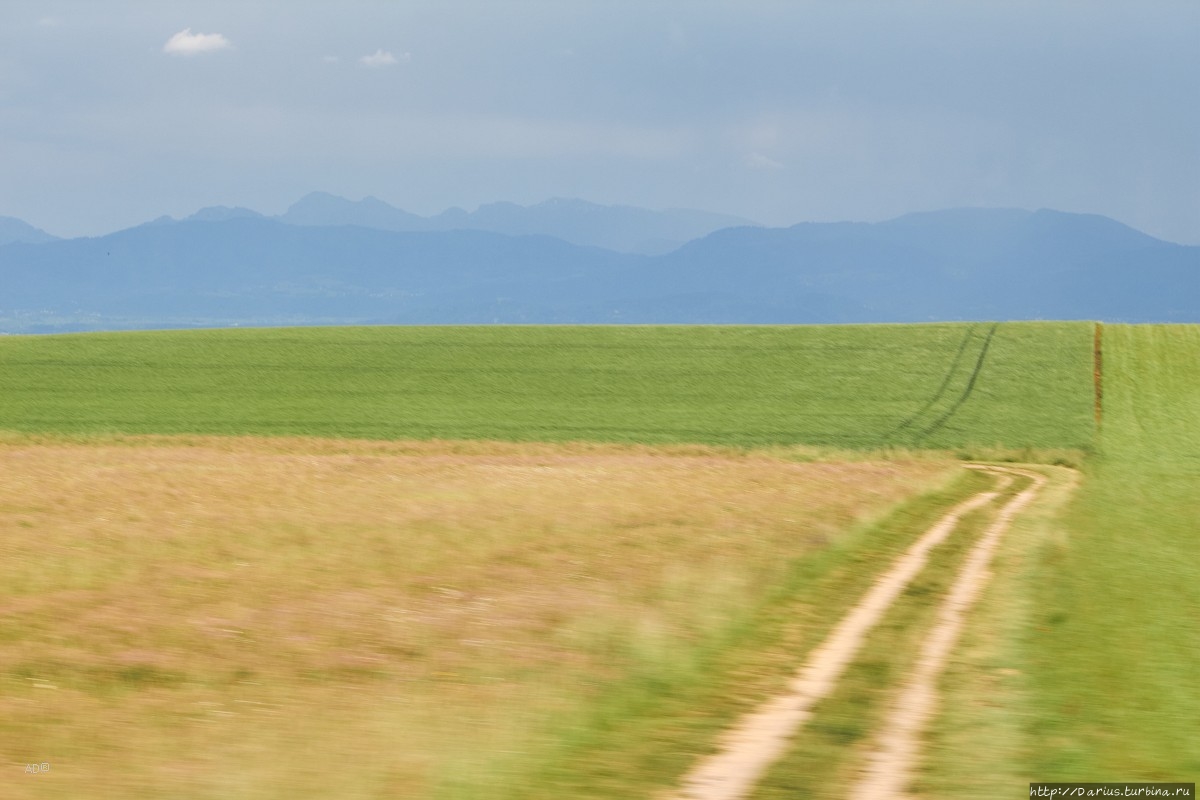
x=960, y=264
x=246, y=270
x=323, y=209
x=227, y=266
x=625, y=229
x=15, y=230
x=221, y=213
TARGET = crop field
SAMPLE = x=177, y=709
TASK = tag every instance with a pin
x=559, y=562
x=1084, y=657
x=297, y=618
x=1013, y=385
x=1121, y=617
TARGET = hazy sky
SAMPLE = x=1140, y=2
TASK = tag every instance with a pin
x=112, y=113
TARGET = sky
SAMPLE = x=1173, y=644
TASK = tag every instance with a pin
x=117, y=112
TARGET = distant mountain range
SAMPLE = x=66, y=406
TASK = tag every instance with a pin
x=622, y=228
x=333, y=261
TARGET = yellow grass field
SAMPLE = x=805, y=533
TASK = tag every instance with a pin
x=250, y=618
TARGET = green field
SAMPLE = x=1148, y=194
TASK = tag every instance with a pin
x=1116, y=643
x=1079, y=663
x=1015, y=385
x=1083, y=660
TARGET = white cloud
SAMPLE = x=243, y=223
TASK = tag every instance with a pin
x=383, y=58
x=186, y=43
x=49, y=22
x=330, y=59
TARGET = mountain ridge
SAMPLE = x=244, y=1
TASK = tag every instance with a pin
x=622, y=228
x=225, y=266
x=13, y=230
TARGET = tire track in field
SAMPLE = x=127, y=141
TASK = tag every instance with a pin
x=890, y=764
x=759, y=738
x=970, y=387
x=932, y=401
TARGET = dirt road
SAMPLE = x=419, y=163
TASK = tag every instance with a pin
x=748, y=749
x=891, y=762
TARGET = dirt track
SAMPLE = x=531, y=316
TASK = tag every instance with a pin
x=891, y=763
x=760, y=738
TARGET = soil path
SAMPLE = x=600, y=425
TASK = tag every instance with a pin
x=890, y=765
x=760, y=737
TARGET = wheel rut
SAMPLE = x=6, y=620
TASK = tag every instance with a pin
x=758, y=739
x=893, y=758
x=939, y=409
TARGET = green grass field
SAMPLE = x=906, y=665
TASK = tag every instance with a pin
x=1079, y=664
x=1082, y=663
x=1115, y=648
x=1013, y=385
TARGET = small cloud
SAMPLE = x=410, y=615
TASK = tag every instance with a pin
x=49, y=22
x=186, y=43
x=330, y=59
x=759, y=161
x=383, y=58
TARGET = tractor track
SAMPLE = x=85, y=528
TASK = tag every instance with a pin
x=941, y=390
x=759, y=738
x=909, y=427
x=893, y=758
x=970, y=387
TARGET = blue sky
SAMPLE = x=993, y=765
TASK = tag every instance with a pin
x=112, y=113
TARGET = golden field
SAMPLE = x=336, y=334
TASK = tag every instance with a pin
x=236, y=617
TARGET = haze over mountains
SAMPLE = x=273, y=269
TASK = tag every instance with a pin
x=328, y=260
x=623, y=228
x=15, y=230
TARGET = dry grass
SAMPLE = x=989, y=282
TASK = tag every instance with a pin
x=210, y=617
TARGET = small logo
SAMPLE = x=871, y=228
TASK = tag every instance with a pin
x=35, y=769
